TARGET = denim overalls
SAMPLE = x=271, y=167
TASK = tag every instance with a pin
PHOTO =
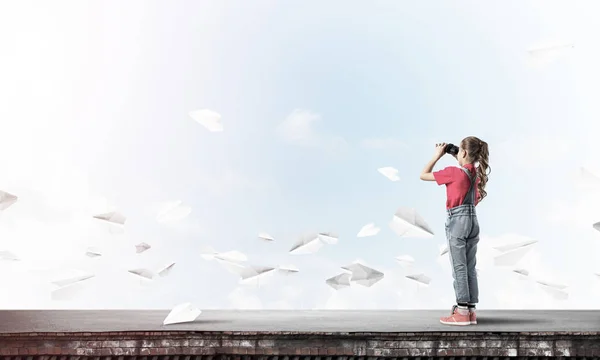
x=462, y=232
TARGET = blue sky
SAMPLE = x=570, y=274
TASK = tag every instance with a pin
x=103, y=89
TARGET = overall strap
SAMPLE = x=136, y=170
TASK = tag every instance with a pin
x=470, y=197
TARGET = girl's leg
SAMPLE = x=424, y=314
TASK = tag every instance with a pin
x=471, y=260
x=457, y=251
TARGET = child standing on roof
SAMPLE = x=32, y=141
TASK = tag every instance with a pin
x=465, y=188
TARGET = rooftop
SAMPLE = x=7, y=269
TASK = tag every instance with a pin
x=302, y=321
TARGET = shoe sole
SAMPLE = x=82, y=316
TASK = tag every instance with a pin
x=463, y=323
x=473, y=322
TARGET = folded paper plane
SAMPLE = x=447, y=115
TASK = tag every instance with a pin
x=522, y=272
x=209, y=253
x=141, y=247
x=363, y=275
x=443, y=250
x=211, y=120
x=328, y=238
x=182, y=313
x=144, y=273
x=112, y=217
x=339, y=281
x=67, y=292
x=552, y=284
x=287, y=269
x=307, y=244
x=72, y=280
x=555, y=293
x=368, y=230
x=514, y=246
x=166, y=270
x=512, y=257
x=266, y=237
x=545, y=54
x=389, y=172
x=6, y=200
x=172, y=212
x=93, y=252
x=419, y=278
x=253, y=272
x=244, y=271
x=408, y=223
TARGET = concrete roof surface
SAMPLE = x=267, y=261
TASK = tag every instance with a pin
x=20, y=321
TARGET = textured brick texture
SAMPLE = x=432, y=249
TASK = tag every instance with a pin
x=296, y=346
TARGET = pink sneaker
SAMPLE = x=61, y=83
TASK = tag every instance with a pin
x=472, y=317
x=459, y=317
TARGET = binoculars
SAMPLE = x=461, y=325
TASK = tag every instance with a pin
x=451, y=149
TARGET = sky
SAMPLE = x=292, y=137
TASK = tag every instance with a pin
x=314, y=97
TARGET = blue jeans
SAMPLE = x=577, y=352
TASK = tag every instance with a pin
x=462, y=232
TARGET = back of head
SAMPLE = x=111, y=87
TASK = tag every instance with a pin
x=478, y=152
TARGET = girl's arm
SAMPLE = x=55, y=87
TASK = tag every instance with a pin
x=427, y=173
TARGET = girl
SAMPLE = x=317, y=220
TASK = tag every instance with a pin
x=465, y=188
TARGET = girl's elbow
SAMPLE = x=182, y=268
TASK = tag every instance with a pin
x=427, y=177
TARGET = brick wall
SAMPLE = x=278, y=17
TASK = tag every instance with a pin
x=293, y=346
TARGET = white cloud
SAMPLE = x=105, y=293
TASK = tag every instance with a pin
x=244, y=298
x=298, y=128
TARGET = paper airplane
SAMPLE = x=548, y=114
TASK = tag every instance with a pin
x=589, y=177
x=8, y=256
x=405, y=260
x=551, y=284
x=112, y=217
x=251, y=272
x=166, y=270
x=443, y=250
x=408, y=223
x=390, y=173
x=67, y=292
x=232, y=267
x=288, y=269
x=6, y=200
x=209, y=253
x=419, y=278
x=557, y=294
x=173, y=212
x=266, y=237
x=145, y=273
x=339, y=281
x=72, y=280
x=245, y=271
x=363, y=275
x=546, y=54
x=328, y=238
x=311, y=243
x=522, y=272
x=368, y=230
x=512, y=257
x=514, y=246
x=93, y=252
x=182, y=313
x=141, y=247
x=209, y=119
